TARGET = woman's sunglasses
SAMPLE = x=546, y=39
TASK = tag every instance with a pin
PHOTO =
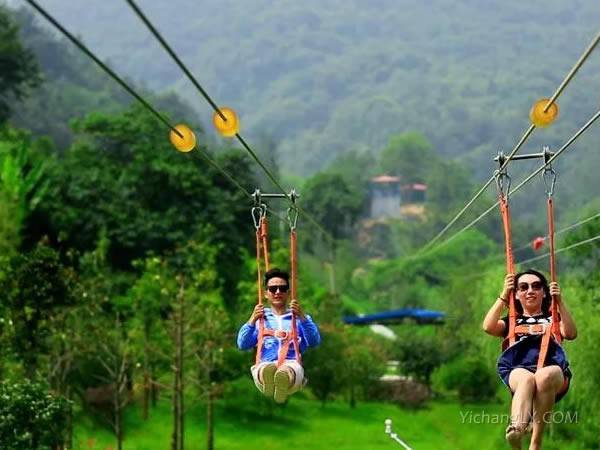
x=283, y=288
x=535, y=286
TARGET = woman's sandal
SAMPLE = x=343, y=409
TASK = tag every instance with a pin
x=514, y=435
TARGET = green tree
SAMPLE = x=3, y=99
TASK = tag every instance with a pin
x=584, y=398
x=124, y=177
x=36, y=287
x=23, y=185
x=18, y=68
x=585, y=258
x=208, y=331
x=113, y=350
x=419, y=356
x=409, y=155
x=471, y=377
x=32, y=419
x=356, y=169
x=424, y=281
x=333, y=203
x=150, y=298
x=365, y=361
x=325, y=366
x=448, y=188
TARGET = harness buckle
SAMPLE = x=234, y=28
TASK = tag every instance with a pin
x=281, y=334
x=537, y=328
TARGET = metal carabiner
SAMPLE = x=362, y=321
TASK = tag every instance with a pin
x=292, y=211
x=292, y=217
x=503, y=181
x=258, y=213
x=549, y=174
x=549, y=177
x=501, y=175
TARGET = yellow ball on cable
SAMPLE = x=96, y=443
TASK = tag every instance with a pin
x=229, y=126
x=184, y=143
x=540, y=118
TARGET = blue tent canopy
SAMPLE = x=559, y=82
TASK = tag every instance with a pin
x=420, y=316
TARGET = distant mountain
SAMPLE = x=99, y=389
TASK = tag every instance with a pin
x=326, y=76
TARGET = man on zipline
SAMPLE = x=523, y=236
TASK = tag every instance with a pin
x=278, y=372
x=536, y=373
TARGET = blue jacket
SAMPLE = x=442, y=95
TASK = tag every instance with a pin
x=308, y=335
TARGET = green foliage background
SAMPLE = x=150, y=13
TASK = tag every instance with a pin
x=104, y=228
x=328, y=77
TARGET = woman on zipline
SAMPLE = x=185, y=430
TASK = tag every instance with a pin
x=536, y=380
x=278, y=372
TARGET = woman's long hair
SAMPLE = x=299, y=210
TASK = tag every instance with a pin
x=546, y=301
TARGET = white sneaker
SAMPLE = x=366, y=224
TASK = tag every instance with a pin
x=268, y=378
x=282, y=386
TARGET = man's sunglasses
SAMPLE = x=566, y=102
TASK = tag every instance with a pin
x=535, y=286
x=283, y=288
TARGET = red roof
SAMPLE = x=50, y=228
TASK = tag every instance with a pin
x=385, y=179
x=414, y=187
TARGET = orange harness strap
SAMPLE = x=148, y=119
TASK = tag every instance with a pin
x=553, y=277
x=554, y=330
x=264, y=233
x=510, y=267
x=294, y=292
x=286, y=338
x=533, y=329
x=547, y=332
x=261, y=322
x=284, y=347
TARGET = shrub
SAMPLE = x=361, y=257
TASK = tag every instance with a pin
x=31, y=418
x=404, y=392
x=470, y=377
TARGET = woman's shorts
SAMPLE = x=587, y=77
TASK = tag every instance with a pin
x=517, y=356
x=563, y=391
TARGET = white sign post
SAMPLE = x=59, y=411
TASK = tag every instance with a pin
x=394, y=436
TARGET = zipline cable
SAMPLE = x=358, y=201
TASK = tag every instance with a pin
x=231, y=179
x=577, y=224
x=573, y=71
x=525, y=136
x=224, y=172
x=133, y=93
x=173, y=55
x=562, y=230
x=564, y=249
x=526, y=261
x=138, y=11
x=519, y=186
x=103, y=66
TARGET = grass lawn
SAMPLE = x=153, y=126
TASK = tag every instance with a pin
x=244, y=424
